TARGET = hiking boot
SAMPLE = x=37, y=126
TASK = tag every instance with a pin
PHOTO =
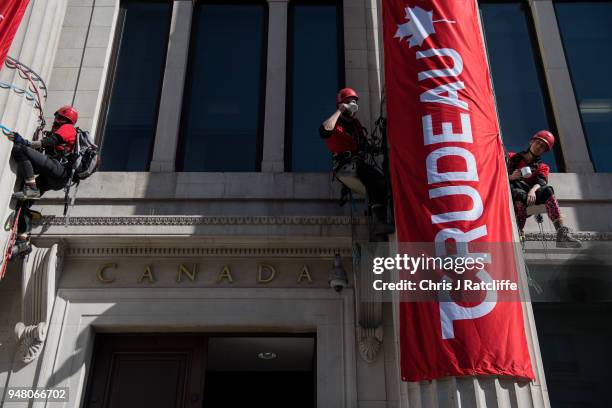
x=35, y=216
x=565, y=239
x=21, y=248
x=28, y=193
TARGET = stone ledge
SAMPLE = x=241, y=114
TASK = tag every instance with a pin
x=581, y=235
x=275, y=186
x=147, y=228
x=201, y=220
x=197, y=186
x=247, y=252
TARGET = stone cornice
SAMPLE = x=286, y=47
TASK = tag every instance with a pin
x=201, y=220
x=221, y=252
x=178, y=220
x=582, y=236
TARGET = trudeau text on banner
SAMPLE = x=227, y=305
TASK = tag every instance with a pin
x=449, y=185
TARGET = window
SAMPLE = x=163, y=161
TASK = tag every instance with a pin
x=587, y=38
x=129, y=128
x=572, y=314
x=314, y=75
x=519, y=85
x=223, y=107
x=575, y=345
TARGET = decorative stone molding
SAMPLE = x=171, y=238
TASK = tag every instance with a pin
x=38, y=294
x=30, y=340
x=298, y=252
x=582, y=236
x=368, y=303
x=201, y=220
x=370, y=342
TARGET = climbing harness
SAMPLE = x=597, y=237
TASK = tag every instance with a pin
x=345, y=171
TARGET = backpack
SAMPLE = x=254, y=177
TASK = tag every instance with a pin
x=86, y=156
x=83, y=162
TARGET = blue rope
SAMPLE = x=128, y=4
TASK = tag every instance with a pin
x=21, y=91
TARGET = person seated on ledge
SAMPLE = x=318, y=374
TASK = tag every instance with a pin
x=529, y=186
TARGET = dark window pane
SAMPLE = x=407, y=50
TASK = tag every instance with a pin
x=576, y=354
x=224, y=96
x=314, y=65
x=586, y=30
x=518, y=85
x=132, y=114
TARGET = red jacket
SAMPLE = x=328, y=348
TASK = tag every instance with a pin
x=345, y=135
x=68, y=134
x=59, y=141
x=539, y=170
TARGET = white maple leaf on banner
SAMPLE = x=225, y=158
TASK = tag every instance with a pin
x=420, y=25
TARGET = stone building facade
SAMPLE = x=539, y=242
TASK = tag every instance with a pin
x=246, y=255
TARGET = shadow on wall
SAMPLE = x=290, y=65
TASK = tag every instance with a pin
x=572, y=319
x=584, y=277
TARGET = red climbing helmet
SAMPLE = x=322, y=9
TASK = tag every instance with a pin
x=69, y=113
x=545, y=136
x=345, y=93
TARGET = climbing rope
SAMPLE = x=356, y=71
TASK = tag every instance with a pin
x=532, y=282
x=30, y=97
x=8, y=248
x=36, y=85
x=540, y=220
x=374, y=146
x=34, y=92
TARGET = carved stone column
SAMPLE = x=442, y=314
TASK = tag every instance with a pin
x=563, y=100
x=175, y=72
x=274, y=124
x=40, y=273
x=34, y=45
x=368, y=303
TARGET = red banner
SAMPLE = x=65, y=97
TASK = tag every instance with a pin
x=11, y=12
x=449, y=183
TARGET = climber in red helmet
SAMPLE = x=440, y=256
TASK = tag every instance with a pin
x=529, y=186
x=345, y=137
x=47, y=158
